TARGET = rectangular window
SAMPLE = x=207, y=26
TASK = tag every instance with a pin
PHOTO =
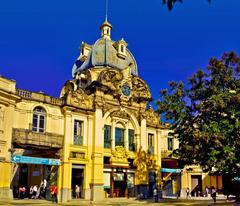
x=131, y=145
x=41, y=124
x=150, y=143
x=107, y=136
x=119, y=137
x=78, y=132
x=170, y=143
x=35, y=123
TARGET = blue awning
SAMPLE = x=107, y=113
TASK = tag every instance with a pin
x=171, y=170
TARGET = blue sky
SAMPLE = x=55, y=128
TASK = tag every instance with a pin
x=39, y=40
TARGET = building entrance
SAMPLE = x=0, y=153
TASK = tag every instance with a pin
x=119, y=184
x=119, y=188
x=196, y=185
x=77, y=181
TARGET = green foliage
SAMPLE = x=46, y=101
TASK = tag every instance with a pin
x=170, y=3
x=205, y=115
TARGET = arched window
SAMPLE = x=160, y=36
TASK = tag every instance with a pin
x=131, y=142
x=39, y=118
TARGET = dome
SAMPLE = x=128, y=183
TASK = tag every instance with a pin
x=106, y=53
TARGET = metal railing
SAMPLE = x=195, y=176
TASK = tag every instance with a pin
x=78, y=140
x=107, y=144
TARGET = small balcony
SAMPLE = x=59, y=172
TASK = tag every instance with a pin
x=30, y=139
x=78, y=140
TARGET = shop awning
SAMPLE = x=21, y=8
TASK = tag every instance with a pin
x=171, y=170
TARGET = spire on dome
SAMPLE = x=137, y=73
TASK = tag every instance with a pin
x=106, y=27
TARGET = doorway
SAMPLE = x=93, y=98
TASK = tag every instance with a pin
x=120, y=185
x=196, y=185
x=77, y=179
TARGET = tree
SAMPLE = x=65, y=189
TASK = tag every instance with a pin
x=204, y=115
x=170, y=3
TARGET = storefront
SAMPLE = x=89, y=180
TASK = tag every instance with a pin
x=119, y=182
x=171, y=179
x=33, y=171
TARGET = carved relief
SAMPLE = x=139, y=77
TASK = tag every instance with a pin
x=140, y=88
x=144, y=162
x=119, y=155
x=120, y=114
x=78, y=98
x=152, y=117
x=111, y=78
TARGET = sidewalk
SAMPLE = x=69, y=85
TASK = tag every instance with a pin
x=120, y=202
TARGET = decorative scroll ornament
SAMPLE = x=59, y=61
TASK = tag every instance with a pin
x=119, y=155
x=144, y=163
x=111, y=79
x=140, y=88
x=151, y=117
x=120, y=114
x=76, y=96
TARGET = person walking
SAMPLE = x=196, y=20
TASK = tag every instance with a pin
x=206, y=191
x=187, y=193
x=77, y=191
x=155, y=194
x=214, y=194
x=54, y=192
x=35, y=189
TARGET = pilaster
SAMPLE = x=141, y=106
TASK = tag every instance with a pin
x=97, y=192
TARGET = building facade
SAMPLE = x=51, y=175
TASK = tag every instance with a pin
x=100, y=134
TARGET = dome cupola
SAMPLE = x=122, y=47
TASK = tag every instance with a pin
x=105, y=53
x=106, y=28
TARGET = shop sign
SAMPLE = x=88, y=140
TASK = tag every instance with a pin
x=34, y=160
x=171, y=170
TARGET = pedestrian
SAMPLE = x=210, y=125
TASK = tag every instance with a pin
x=214, y=194
x=22, y=192
x=187, y=193
x=155, y=194
x=206, y=191
x=31, y=192
x=77, y=191
x=35, y=189
x=44, y=188
x=54, y=192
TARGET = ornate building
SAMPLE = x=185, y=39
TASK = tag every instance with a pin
x=99, y=134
